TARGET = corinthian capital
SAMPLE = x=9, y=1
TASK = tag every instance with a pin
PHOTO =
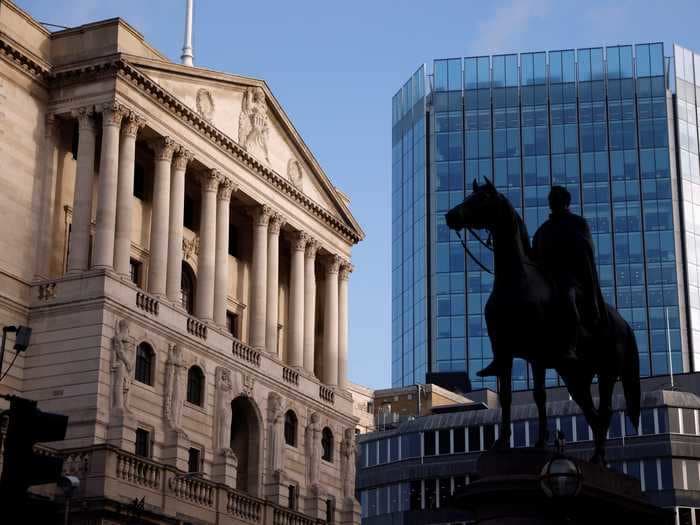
x=300, y=240
x=226, y=188
x=112, y=114
x=132, y=124
x=345, y=269
x=86, y=118
x=164, y=147
x=210, y=180
x=311, y=247
x=276, y=222
x=333, y=264
x=50, y=125
x=181, y=158
x=261, y=215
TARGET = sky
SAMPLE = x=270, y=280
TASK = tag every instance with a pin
x=334, y=66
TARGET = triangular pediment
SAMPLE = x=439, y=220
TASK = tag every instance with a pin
x=246, y=111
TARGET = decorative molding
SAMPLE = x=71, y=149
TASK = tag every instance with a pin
x=24, y=62
x=210, y=180
x=300, y=240
x=261, y=215
x=295, y=174
x=253, y=123
x=334, y=262
x=86, y=118
x=205, y=104
x=226, y=188
x=164, y=147
x=132, y=124
x=276, y=222
x=345, y=269
x=190, y=248
x=312, y=247
x=181, y=158
x=112, y=114
x=248, y=385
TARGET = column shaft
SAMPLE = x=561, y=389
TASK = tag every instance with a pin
x=295, y=356
x=344, y=276
x=177, y=214
x=330, y=332
x=157, y=270
x=79, y=248
x=107, y=186
x=310, y=306
x=204, y=302
x=42, y=254
x=223, y=215
x=272, y=304
x=258, y=292
x=125, y=195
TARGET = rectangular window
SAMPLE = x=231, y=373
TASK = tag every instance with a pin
x=410, y=446
x=444, y=441
x=394, y=449
x=139, y=182
x=143, y=443
x=651, y=481
x=519, y=434
x=647, y=423
x=371, y=453
x=458, y=434
x=232, y=324
x=489, y=436
x=415, y=495
x=194, y=460
x=383, y=443
x=135, y=271
x=292, y=497
x=189, y=220
x=429, y=443
x=232, y=240
x=582, y=429
x=474, y=439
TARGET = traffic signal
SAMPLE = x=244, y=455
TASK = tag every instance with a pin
x=22, y=467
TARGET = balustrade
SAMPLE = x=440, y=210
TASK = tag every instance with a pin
x=147, y=303
x=290, y=376
x=244, y=507
x=138, y=471
x=290, y=517
x=326, y=394
x=245, y=352
x=197, y=328
x=192, y=489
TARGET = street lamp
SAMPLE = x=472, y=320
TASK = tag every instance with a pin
x=24, y=333
x=561, y=478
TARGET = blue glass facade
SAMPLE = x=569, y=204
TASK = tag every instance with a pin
x=618, y=126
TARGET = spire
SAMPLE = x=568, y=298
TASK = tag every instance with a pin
x=187, y=48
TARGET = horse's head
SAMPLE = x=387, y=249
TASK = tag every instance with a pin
x=479, y=210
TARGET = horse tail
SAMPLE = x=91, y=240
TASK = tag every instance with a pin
x=630, y=377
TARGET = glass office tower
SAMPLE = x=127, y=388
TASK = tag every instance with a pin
x=618, y=126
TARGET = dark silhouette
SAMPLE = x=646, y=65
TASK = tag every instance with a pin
x=526, y=318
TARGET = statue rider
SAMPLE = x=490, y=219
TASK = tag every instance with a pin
x=563, y=248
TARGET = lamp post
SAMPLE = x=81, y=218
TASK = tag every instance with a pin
x=24, y=333
x=561, y=478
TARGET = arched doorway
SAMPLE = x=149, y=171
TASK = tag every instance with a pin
x=246, y=438
x=187, y=287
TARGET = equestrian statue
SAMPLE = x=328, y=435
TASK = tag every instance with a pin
x=546, y=308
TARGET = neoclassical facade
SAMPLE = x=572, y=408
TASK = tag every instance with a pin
x=183, y=262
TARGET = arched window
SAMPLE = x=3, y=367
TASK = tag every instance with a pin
x=195, y=386
x=290, y=428
x=187, y=284
x=330, y=511
x=327, y=444
x=144, y=364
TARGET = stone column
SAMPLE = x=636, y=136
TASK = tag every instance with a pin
x=125, y=194
x=158, y=267
x=42, y=255
x=343, y=276
x=273, y=263
x=105, y=227
x=258, y=287
x=204, y=302
x=79, y=248
x=310, y=305
x=296, y=302
x=330, y=327
x=177, y=214
x=223, y=211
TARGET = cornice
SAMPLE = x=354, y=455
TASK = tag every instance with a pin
x=23, y=60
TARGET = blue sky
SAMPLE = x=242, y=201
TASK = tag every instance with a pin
x=334, y=66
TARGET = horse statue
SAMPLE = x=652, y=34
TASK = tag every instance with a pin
x=522, y=316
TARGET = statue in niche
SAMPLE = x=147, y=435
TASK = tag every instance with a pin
x=253, y=124
x=348, y=449
x=222, y=417
x=312, y=440
x=294, y=172
x=174, y=386
x=121, y=366
x=276, y=434
x=205, y=104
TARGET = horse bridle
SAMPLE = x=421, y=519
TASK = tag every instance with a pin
x=488, y=244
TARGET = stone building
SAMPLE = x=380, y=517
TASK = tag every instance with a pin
x=183, y=261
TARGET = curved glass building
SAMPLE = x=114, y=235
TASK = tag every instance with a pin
x=618, y=126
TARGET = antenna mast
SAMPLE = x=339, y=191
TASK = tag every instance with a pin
x=187, y=48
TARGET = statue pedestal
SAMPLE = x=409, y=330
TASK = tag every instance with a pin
x=507, y=490
x=176, y=449
x=351, y=512
x=225, y=467
x=276, y=489
x=122, y=430
x=315, y=505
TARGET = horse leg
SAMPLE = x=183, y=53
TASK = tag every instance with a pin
x=580, y=390
x=505, y=396
x=540, y=395
x=600, y=431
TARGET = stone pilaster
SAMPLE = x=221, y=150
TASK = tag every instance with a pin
x=125, y=191
x=223, y=211
x=158, y=267
x=105, y=227
x=177, y=212
x=344, y=276
x=79, y=248
x=204, y=303
x=272, y=303
x=258, y=294
x=46, y=204
x=310, y=305
x=330, y=329
x=296, y=301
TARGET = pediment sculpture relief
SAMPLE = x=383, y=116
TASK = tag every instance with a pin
x=205, y=104
x=175, y=384
x=190, y=248
x=253, y=124
x=295, y=174
x=121, y=366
